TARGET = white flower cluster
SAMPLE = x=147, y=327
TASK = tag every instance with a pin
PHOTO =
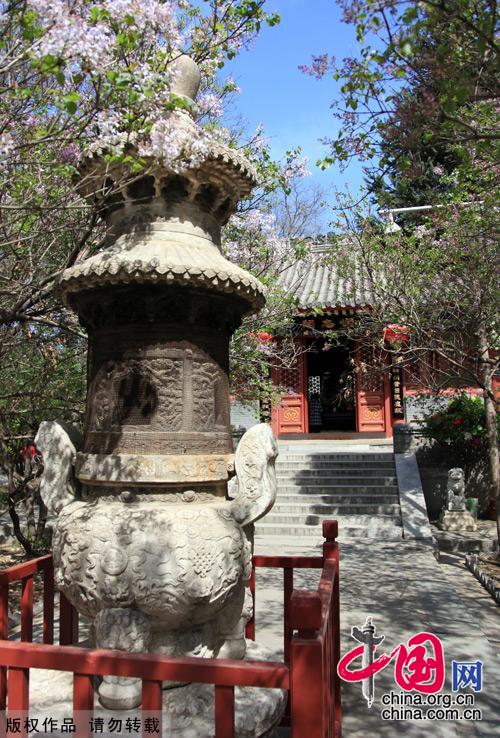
x=209, y=103
x=169, y=139
x=146, y=14
x=71, y=31
x=251, y=238
x=69, y=34
x=110, y=136
x=297, y=169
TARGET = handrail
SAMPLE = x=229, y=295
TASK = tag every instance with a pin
x=311, y=648
x=25, y=569
x=154, y=667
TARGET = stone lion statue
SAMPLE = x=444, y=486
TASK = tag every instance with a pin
x=455, y=489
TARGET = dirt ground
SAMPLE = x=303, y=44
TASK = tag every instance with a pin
x=12, y=553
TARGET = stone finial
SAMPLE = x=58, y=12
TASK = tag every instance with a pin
x=187, y=78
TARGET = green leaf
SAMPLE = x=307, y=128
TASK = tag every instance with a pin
x=70, y=102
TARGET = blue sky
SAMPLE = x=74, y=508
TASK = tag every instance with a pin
x=295, y=108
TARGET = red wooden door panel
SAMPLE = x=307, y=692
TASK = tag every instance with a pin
x=291, y=415
x=370, y=393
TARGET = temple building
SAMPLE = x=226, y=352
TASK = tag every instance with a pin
x=332, y=388
x=325, y=390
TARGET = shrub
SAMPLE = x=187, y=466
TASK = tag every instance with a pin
x=461, y=428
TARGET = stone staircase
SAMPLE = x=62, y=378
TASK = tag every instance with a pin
x=358, y=488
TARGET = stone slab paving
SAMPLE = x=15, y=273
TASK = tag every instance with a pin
x=406, y=590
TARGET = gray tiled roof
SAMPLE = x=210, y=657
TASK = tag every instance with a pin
x=315, y=282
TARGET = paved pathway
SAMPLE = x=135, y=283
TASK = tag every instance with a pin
x=406, y=590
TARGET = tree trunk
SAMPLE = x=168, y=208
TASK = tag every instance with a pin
x=491, y=424
x=14, y=495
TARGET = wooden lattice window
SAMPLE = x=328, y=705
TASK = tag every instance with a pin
x=290, y=378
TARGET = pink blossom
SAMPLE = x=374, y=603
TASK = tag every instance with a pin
x=69, y=154
x=319, y=66
x=208, y=103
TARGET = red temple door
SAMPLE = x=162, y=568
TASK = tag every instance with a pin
x=372, y=411
x=291, y=415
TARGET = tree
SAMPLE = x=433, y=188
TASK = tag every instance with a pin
x=422, y=91
x=420, y=103
x=268, y=235
x=79, y=79
x=437, y=285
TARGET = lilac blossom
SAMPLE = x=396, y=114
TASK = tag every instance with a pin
x=297, y=168
x=209, y=103
x=69, y=34
x=259, y=140
x=319, y=66
x=69, y=154
x=146, y=14
x=110, y=136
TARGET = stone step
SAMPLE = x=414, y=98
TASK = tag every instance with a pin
x=331, y=499
x=463, y=541
x=346, y=489
x=328, y=465
x=374, y=529
x=339, y=458
x=333, y=480
x=335, y=477
x=317, y=519
x=286, y=472
x=350, y=508
x=301, y=458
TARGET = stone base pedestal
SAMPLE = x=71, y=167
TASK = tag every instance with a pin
x=188, y=712
x=457, y=520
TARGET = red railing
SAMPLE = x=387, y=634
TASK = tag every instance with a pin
x=311, y=650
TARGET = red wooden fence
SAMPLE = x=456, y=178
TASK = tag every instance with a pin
x=309, y=670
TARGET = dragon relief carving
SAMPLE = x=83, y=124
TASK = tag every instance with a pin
x=58, y=443
x=136, y=392
x=205, y=377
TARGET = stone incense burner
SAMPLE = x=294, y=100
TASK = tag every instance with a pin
x=152, y=548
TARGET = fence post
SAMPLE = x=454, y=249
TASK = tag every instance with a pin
x=48, y=603
x=4, y=634
x=331, y=553
x=68, y=622
x=287, y=594
x=330, y=545
x=306, y=666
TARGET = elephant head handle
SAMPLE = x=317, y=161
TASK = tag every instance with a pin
x=254, y=488
x=59, y=443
